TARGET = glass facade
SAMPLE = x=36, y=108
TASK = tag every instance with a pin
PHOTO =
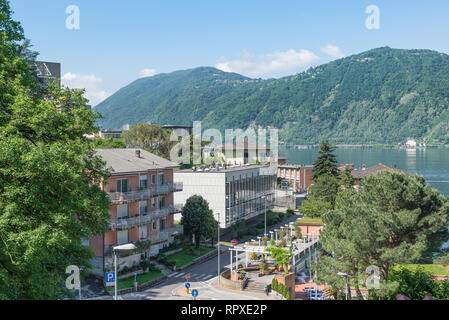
x=244, y=195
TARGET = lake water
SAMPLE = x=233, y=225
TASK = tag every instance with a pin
x=432, y=163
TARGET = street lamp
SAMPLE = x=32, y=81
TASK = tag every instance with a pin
x=343, y=274
x=219, y=252
x=265, y=198
x=124, y=247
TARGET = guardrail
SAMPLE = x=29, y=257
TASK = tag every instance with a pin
x=144, y=194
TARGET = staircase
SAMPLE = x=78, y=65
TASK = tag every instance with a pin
x=254, y=286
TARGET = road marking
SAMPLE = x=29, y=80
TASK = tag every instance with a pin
x=180, y=275
x=209, y=276
x=173, y=274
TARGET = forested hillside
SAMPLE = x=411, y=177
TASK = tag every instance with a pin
x=380, y=96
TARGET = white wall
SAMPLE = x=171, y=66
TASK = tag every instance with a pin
x=210, y=185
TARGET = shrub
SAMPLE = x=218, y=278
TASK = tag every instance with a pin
x=253, y=256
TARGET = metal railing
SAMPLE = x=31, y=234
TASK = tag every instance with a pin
x=159, y=237
x=144, y=194
x=143, y=218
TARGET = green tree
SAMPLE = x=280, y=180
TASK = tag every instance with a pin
x=150, y=137
x=327, y=268
x=198, y=219
x=394, y=218
x=347, y=180
x=109, y=143
x=282, y=257
x=326, y=163
x=50, y=177
x=322, y=196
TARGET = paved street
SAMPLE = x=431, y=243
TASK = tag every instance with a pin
x=203, y=278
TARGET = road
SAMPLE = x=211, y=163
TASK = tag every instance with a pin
x=203, y=278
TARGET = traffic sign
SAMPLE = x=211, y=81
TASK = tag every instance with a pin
x=110, y=279
x=187, y=277
x=195, y=293
x=187, y=285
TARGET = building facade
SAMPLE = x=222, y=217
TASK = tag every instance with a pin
x=141, y=190
x=233, y=193
x=299, y=176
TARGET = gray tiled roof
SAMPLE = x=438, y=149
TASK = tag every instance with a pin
x=125, y=160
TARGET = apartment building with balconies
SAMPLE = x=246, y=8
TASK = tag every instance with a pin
x=141, y=190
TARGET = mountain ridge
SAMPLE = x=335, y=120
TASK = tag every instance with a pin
x=382, y=95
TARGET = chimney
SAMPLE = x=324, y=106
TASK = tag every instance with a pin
x=138, y=153
x=363, y=167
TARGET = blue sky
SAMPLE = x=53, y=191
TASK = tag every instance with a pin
x=120, y=41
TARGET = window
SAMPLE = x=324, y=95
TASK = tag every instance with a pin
x=162, y=225
x=153, y=202
x=143, y=182
x=154, y=225
x=161, y=178
x=143, y=207
x=122, y=185
x=153, y=179
x=143, y=232
x=122, y=237
x=161, y=202
x=122, y=210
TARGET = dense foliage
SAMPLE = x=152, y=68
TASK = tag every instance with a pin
x=380, y=96
x=197, y=219
x=50, y=199
x=326, y=163
x=150, y=137
x=394, y=218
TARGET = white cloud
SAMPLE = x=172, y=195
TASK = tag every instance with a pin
x=147, y=73
x=333, y=51
x=279, y=63
x=93, y=85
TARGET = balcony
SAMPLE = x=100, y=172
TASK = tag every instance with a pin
x=144, y=194
x=142, y=219
x=160, y=237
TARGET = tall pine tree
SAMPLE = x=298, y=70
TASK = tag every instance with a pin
x=326, y=163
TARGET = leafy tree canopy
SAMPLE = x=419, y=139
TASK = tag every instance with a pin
x=50, y=196
x=198, y=219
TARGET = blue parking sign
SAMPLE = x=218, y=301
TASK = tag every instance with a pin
x=110, y=278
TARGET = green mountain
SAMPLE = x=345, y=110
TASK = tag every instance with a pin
x=380, y=96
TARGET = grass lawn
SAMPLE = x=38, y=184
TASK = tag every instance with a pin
x=309, y=220
x=434, y=269
x=188, y=255
x=141, y=278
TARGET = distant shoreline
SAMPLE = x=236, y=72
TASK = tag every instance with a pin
x=388, y=146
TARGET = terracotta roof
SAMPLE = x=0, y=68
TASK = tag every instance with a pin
x=359, y=174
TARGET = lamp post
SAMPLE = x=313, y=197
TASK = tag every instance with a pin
x=343, y=274
x=265, y=199
x=124, y=247
x=219, y=252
